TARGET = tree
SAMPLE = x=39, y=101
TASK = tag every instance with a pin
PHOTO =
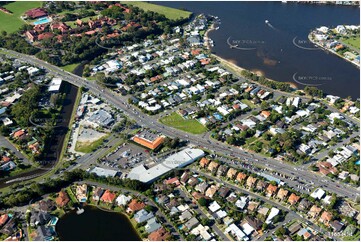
x=203, y=202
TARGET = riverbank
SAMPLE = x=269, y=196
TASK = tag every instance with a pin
x=330, y=50
x=237, y=69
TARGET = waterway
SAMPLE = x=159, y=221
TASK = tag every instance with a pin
x=52, y=154
x=96, y=225
x=275, y=49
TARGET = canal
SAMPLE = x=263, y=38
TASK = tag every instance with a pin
x=52, y=153
x=95, y=225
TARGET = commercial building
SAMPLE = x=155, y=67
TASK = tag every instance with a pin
x=149, y=140
x=54, y=85
x=180, y=159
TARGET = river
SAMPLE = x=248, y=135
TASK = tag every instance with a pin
x=95, y=225
x=276, y=54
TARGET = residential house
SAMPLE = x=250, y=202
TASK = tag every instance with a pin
x=81, y=192
x=326, y=217
x=204, y=162
x=222, y=170
x=314, y=211
x=231, y=173
x=122, y=200
x=293, y=199
x=134, y=206
x=191, y=223
x=261, y=185
x=62, y=199
x=282, y=194
x=193, y=181
x=98, y=192
x=185, y=216
x=211, y=191
x=201, y=187
x=184, y=177
x=143, y=215
x=251, y=181
x=255, y=223
x=336, y=225
x=212, y=167
x=271, y=190
x=152, y=225
x=241, y=177
x=223, y=191
x=108, y=197
x=304, y=204
x=46, y=205
x=159, y=235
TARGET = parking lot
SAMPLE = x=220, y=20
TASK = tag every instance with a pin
x=126, y=156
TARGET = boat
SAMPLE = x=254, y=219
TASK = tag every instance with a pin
x=79, y=211
x=266, y=21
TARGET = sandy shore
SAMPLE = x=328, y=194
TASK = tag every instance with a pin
x=239, y=69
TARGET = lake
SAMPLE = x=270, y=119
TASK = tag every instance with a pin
x=94, y=225
x=280, y=50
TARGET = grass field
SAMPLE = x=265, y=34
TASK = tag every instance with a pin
x=12, y=22
x=69, y=68
x=170, y=13
x=87, y=147
x=354, y=42
x=188, y=125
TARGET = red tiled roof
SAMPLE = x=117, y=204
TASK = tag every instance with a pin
x=62, y=199
x=108, y=197
x=134, y=205
x=36, y=13
x=3, y=219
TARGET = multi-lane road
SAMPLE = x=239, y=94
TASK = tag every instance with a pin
x=145, y=120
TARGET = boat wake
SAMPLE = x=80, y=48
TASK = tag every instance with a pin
x=236, y=46
x=270, y=25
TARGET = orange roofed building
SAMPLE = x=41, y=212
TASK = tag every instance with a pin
x=148, y=140
x=108, y=197
x=62, y=199
x=134, y=206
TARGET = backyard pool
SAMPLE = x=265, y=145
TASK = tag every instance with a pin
x=43, y=20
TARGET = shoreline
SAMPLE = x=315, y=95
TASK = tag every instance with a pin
x=330, y=50
x=237, y=69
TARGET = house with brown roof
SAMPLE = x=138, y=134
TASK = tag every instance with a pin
x=211, y=191
x=173, y=181
x=213, y=166
x=204, y=162
x=18, y=134
x=159, y=235
x=231, y=173
x=271, y=190
x=197, y=195
x=97, y=193
x=326, y=217
x=265, y=114
x=62, y=27
x=62, y=199
x=108, y=197
x=184, y=178
x=202, y=187
x=241, y=177
x=293, y=199
x=314, y=211
x=31, y=35
x=261, y=185
x=134, y=206
x=36, y=13
x=304, y=204
x=282, y=193
x=222, y=169
x=251, y=181
x=46, y=35
x=193, y=181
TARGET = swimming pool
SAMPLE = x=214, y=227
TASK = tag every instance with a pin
x=42, y=20
x=357, y=162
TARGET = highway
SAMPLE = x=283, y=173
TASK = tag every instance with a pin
x=145, y=120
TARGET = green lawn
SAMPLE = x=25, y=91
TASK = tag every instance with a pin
x=87, y=147
x=12, y=22
x=170, y=13
x=70, y=68
x=189, y=125
x=353, y=41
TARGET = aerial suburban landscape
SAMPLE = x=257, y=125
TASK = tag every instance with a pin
x=179, y=121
